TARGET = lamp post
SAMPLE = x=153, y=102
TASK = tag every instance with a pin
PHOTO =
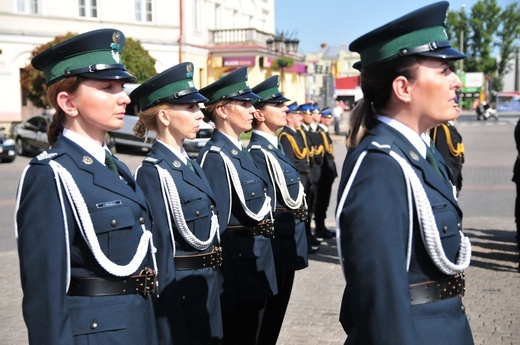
x=282, y=46
x=461, y=43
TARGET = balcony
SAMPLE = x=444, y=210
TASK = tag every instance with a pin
x=249, y=36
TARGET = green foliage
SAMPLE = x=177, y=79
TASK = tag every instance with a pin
x=484, y=31
x=282, y=62
x=137, y=60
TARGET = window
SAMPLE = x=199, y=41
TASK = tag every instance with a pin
x=218, y=16
x=27, y=6
x=143, y=10
x=88, y=8
x=196, y=15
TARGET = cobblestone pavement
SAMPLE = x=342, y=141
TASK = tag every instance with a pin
x=487, y=199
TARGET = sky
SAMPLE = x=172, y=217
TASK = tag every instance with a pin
x=337, y=22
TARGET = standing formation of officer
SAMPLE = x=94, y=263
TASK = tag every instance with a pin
x=184, y=253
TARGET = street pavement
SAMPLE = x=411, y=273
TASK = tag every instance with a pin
x=487, y=199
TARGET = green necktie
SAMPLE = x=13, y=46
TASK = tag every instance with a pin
x=246, y=152
x=109, y=162
x=280, y=147
x=430, y=157
x=190, y=165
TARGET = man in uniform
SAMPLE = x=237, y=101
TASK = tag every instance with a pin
x=294, y=143
x=327, y=176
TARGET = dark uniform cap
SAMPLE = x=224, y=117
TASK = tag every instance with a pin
x=94, y=54
x=231, y=86
x=269, y=91
x=305, y=108
x=326, y=112
x=315, y=108
x=174, y=85
x=293, y=108
x=420, y=32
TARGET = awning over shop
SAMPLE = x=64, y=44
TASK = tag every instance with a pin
x=347, y=86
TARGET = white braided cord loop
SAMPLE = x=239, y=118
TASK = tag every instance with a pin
x=235, y=179
x=429, y=231
x=86, y=227
x=276, y=174
x=174, y=205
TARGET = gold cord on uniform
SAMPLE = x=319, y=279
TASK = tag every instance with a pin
x=304, y=153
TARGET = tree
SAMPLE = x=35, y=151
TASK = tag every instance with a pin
x=137, y=60
x=510, y=31
x=487, y=29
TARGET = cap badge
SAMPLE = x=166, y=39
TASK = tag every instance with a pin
x=116, y=37
x=189, y=70
x=87, y=160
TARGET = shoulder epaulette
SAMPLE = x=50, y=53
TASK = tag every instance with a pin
x=256, y=147
x=46, y=156
x=215, y=149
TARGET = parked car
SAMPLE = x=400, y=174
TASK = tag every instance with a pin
x=31, y=135
x=125, y=138
x=7, y=147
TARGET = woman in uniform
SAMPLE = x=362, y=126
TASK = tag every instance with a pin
x=245, y=215
x=185, y=218
x=400, y=241
x=284, y=188
x=83, y=225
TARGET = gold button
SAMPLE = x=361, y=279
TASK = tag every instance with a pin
x=142, y=220
x=197, y=213
x=113, y=222
x=93, y=325
x=445, y=229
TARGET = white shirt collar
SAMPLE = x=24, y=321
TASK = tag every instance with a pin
x=418, y=141
x=182, y=155
x=89, y=145
x=273, y=140
x=238, y=143
x=322, y=126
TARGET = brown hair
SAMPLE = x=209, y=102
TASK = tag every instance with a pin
x=376, y=84
x=69, y=85
x=148, y=119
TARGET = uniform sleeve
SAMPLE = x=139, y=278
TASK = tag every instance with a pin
x=215, y=172
x=147, y=177
x=43, y=256
x=374, y=235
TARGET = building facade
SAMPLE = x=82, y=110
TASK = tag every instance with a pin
x=218, y=36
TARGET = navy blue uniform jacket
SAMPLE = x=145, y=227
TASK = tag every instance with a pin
x=289, y=242
x=117, y=210
x=188, y=308
x=248, y=270
x=374, y=233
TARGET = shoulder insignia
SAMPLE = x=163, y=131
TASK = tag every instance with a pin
x=234, y=152
x=256, y=147
x=46, y=155
x=215, y=149
x=150, y=160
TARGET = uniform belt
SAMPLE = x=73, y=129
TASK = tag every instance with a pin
x=264, y=228
x=298, y=213
x=143, y=284
x=434, y=291
x=198, y=261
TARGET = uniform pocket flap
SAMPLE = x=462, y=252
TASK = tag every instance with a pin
x=99, y=318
